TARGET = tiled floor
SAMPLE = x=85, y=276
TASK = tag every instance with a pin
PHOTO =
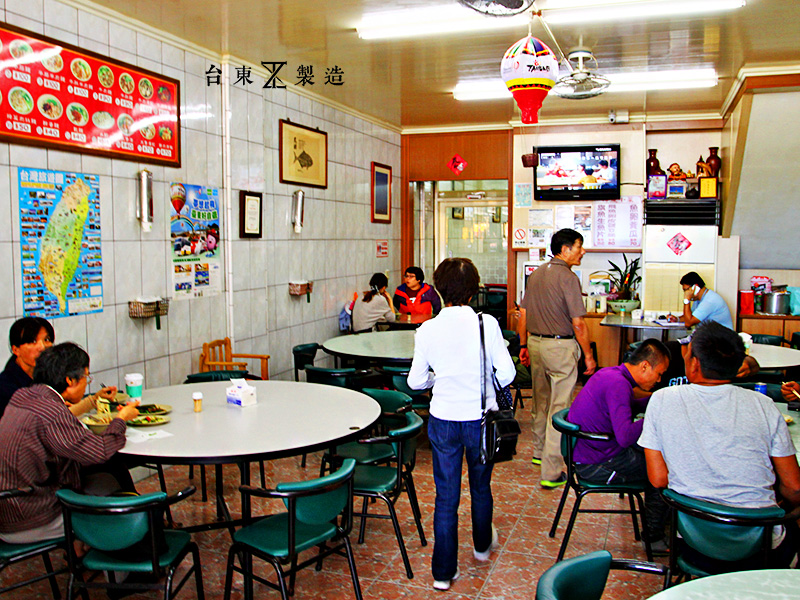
x=523, y=513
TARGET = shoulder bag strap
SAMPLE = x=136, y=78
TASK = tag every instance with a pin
x=483, y=365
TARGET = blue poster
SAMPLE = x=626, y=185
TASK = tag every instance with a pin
x=194, y=228
x=59, y=223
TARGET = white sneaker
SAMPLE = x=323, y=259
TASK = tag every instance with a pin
x=484, y=556
x=444, y=585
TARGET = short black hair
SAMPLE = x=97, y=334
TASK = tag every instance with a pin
x=376, y=282
x=416, y=272
x=59, y=362
x=603, y=163
x=26, y=330
x=652, y=351
x=588, y=170
x=457, y=280
x=564, y=237
x=720, y=350
x=692, y=278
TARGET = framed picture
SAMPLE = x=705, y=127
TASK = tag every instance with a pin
x=458, y=213
x=708, y=187
x=303, y=155
x=676, y=189
x=250, y=214
x=656, y=187
x=381, y=193
x=497, y=215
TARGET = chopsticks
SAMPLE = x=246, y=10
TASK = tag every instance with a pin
x=793, y=391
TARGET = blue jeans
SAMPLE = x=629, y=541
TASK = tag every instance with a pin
x=449, y=441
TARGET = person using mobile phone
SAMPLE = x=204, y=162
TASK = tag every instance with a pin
x=701, y=304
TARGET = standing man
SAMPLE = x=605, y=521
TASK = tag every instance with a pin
x=554, y=321
x=701, y=304
x=415, y=297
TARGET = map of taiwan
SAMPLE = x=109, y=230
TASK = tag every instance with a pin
x=60, y=250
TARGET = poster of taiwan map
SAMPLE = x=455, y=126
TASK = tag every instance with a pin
x=194, y=227
x=59, y=222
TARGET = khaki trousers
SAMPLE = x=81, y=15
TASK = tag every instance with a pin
x=554, y=369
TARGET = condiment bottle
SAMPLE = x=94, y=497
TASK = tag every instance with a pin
x=198, y=401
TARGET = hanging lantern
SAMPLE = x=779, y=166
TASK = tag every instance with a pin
x=529, y=69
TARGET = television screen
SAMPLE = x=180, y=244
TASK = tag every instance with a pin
x=577, y=172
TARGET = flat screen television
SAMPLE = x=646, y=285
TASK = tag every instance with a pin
x=586, y=172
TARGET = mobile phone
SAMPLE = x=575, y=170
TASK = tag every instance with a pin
x=695, y=289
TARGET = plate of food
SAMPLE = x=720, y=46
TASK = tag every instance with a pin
x=165, y=133
x=154, y=409
x=126, y=83
x=77, y=114
x=145, y=88
x=105, y=76
x=789, y=420
x=148, y=420
x=97, y=423
x=50, y=107
x=19, y=48
x=20, y=100
x=54, y=63
x=103, y=120
x=148, y=131
x=81, y=69
x=124, y=122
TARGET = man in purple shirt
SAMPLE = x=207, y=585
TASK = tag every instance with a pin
x=607, y=404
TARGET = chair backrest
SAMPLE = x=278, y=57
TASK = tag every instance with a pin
x=391, y=401
x=512, y=337
x=405, y=438
x=304, y=355
x=215, y=351
x=769, y=340
x=94, y=521
x=580, y=578
x=331, y=498
x=702, y=526
x=337, y=377
x=215, y=376
x=568, y=431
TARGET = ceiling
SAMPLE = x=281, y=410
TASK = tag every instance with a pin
x=408, y=83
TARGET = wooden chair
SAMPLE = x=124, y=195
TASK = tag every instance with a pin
x=218, y=355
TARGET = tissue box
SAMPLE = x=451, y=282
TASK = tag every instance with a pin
x=240, y=393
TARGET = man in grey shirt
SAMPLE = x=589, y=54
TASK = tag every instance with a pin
x=713, y=441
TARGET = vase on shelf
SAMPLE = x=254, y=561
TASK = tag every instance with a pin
x=713, y=161
x=653, y=166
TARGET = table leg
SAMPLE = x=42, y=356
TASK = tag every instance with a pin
x=246, y=559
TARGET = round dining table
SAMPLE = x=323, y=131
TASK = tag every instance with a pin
x=289, y=418
x=775, y=357
x=766, y=584
x=379, y=346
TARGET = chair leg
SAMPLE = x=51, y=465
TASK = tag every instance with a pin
x=229, y=572
x=636, y=534
x=573, y=515
x=362, y=528
x=163, y=483
x=198, y=573
x=412, y=499
x=293, y=575
x=263, y=474
x=303, y=461
x=352, y=563
x=203, y=485
x=48, y=566
x=647, y=548
x=561, y=504
x=399, y=535
x=168, y=583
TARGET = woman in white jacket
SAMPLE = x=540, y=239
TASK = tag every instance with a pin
x=450, y=345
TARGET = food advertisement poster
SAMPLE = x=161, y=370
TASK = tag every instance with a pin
x=59, y=223
x=194, y=227
x=58, y=96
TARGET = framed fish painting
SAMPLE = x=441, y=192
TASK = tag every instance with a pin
x=304, y=155
x=381, y=193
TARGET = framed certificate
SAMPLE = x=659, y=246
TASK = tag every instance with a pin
x=708, y=187
x=250, y=215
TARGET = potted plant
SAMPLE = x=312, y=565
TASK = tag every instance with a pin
x=624, y=281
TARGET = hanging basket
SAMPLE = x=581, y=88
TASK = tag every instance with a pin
x=144, y=310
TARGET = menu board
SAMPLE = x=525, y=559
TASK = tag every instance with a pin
x=618, y=223
x=59, y=96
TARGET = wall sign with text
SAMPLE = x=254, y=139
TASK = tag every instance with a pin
x=59, y=96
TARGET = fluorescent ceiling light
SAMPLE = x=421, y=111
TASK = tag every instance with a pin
x=584, y=12
x=432, y=20
x=682, y=79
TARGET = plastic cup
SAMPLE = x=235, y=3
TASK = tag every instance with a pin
x=133, y=385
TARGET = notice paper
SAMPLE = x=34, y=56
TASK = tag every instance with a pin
x=137, y=436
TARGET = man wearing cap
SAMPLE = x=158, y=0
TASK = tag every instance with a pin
x=717, y=442
x=555, y=332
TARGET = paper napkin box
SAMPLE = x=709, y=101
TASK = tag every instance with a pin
x=241, y=393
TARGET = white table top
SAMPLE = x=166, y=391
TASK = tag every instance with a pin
x=626, y=321
x=774, y=357
x=794, y=428
x=381, y=345
x=289, y=418
x=768, y=584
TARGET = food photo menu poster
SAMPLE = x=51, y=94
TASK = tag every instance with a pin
x=194, y=227
x=56, y=95
x=59, y=223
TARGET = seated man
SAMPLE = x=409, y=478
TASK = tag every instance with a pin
x=606, y=404
x=701, y=304
x=43, y=445
x=714, y=441
x=415, y=297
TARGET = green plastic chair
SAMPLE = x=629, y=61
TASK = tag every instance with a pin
x=11, y=554
x=345, y=378
x=570, y=433
x=221, y=375
x=773, y=389
x=313, y=508
x=393, y=405
x=584, y=577
x=723, y=533
x=304, y=355
x=387, y=483
x=113, y=525
x=398, y=375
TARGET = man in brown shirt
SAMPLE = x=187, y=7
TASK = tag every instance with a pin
x=43, y=445
x=554, y=321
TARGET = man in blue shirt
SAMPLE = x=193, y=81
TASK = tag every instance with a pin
x=701, y=304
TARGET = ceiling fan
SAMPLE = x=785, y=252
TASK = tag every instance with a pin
x=580, y=82
x=498, y=8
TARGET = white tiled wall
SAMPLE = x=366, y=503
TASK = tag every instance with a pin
x=336, y=249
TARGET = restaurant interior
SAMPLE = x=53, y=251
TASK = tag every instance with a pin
x=682, y=80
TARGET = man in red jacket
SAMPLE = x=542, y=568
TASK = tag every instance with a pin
x=415, y=297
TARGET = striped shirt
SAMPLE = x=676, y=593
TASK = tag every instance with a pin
x=43, y=445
